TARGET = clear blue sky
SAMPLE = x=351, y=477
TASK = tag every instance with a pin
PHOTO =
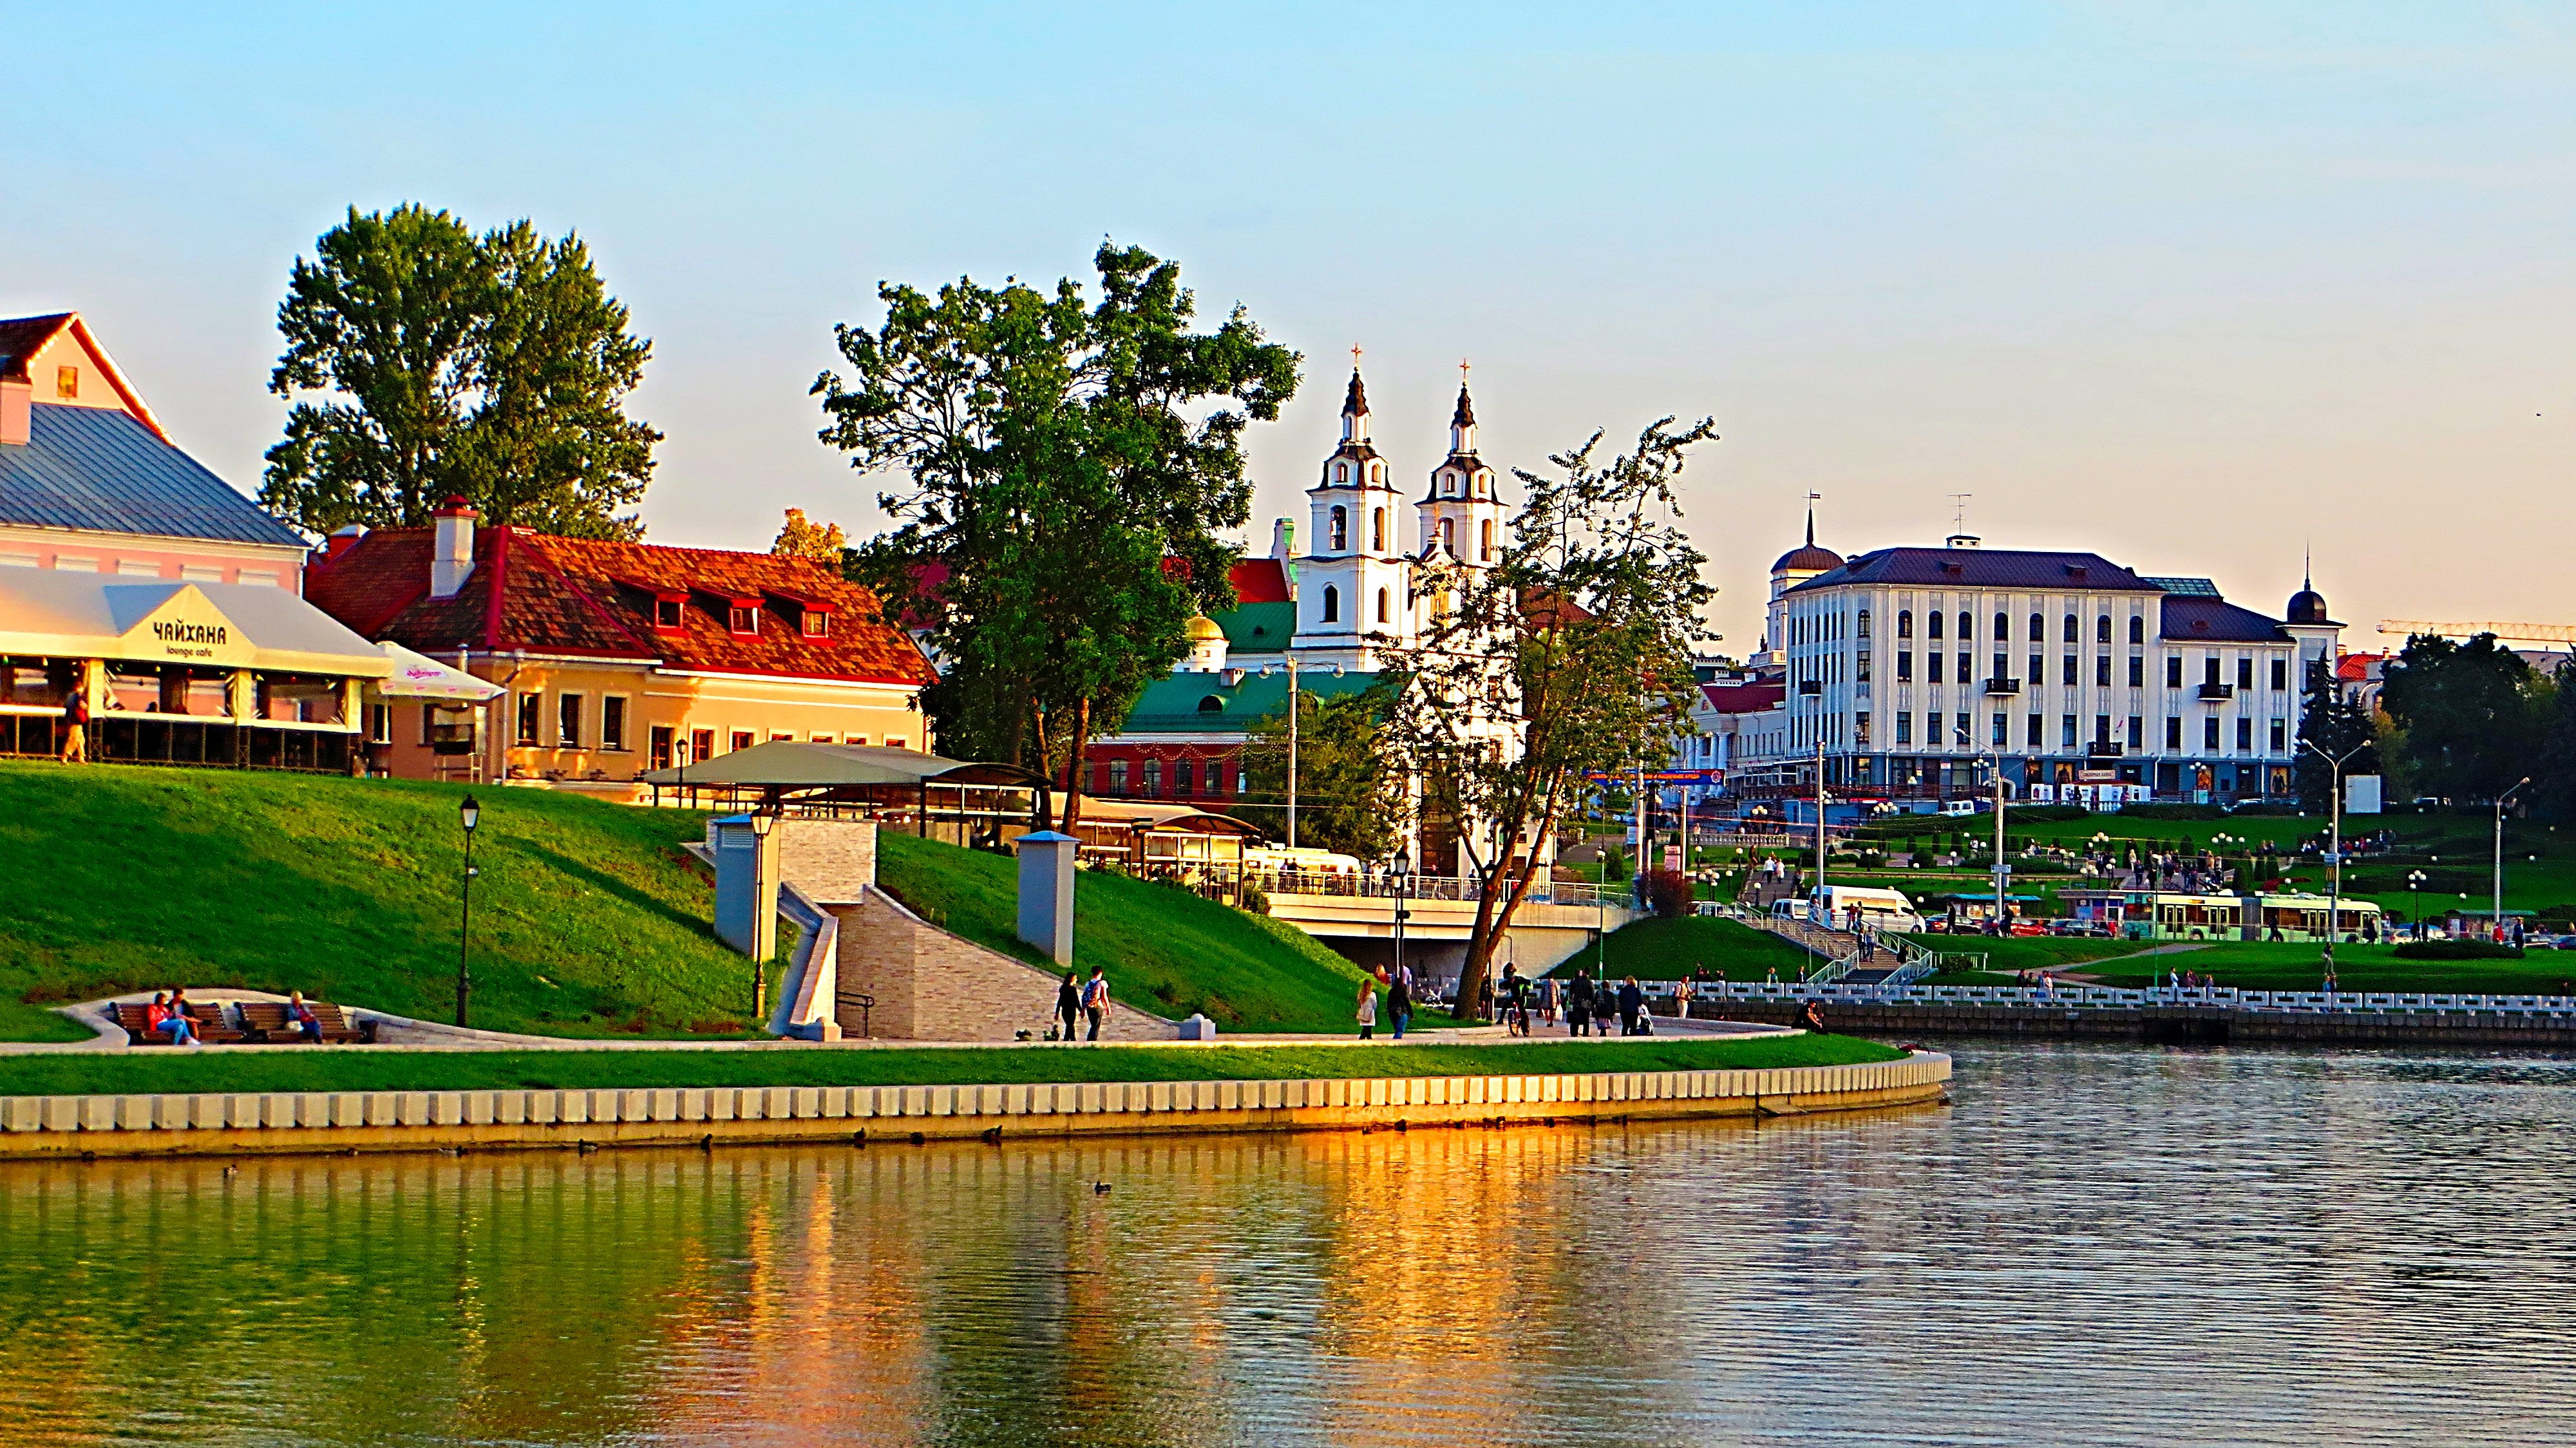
x=2186, y=284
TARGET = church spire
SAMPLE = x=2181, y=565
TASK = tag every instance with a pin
x=1462, y=423
x=1355, y=409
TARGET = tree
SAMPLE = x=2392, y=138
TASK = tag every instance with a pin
x=2339, y=727
x=802, y=539
x=2471, y=712
x=1348, y=800
x=494, y=368
x=1569, y=656
x=2554, y=764
x=1069, y=484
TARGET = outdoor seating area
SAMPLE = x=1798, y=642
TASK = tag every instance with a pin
x=218, y=1023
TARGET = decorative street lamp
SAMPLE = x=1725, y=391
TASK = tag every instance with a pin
x=469, y=814
x=764, y=923
x=2415, y=903
x=2498, y=921
x=1403, y=864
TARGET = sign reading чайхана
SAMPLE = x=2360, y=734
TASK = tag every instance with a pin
x=188, y=628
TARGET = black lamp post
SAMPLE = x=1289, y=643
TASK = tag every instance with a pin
x=2414, y=904
x=1403, y=863
x=764, y=920
x=468, y=814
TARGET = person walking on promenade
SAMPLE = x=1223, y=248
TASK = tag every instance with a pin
x=1682, y=993
x=1368, y=1008
x=1068, y=1005
x=1578, y=1004
x=1399, y=999
x=76, y=725
x=1520, y=1006
x=1507, y=993
x=1550, y=991
x=1095, y=1001
x=1631, y=1001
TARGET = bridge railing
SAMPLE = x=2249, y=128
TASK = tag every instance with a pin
x=1431, y=888
x=2094, y=997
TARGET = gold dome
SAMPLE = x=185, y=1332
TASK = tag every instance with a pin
x=1203, y=629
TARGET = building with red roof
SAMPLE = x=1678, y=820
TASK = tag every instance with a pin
x=618, y=657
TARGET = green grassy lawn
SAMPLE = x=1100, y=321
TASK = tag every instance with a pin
x=2030, y=952
x=2263, y=965
x=212, y=1070
x=586, y=920
x=1657, y=949
x=1166, y=950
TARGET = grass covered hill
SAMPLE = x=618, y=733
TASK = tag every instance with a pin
x=587, y=921
x=1166, y=950
x=1660, y=949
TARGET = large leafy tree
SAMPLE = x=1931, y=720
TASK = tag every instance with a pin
x=2554, y=762
x=1569, y=656
x=1348, y=798
x=492, y=367
x=2471, y=713
x=1071, y=465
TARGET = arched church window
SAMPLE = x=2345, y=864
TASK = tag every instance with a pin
x=1381, y=605
x=1933, y=620
x=1341, y=529
x=1905, y=623
x=2003, y=628
x=2072, y=634
x=1332, y=602
x=1967, y=626
x=1485, y=544
x=1860, y=624
x=2137, y=629
x=1377, y=530
x=1341, y=472
x=1448, y=539
x=2102, y=629
x=1377, y=472
x=2038, y=629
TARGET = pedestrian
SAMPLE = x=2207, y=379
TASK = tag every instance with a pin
x=1399, y=999
x=1681, y=1000
x=1551, y=994
x=1632, y=1001
x=1368, y=1008
x=1095, y=1001
x=1511, y=983
x=76, y=724
x=1068, y=1005
x=1520, y=1006
x=1578, y=1004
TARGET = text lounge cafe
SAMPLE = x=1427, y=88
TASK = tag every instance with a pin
x=240, y=675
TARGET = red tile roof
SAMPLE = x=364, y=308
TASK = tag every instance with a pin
x=1259, y=580
x=1744, y=698
x=579, y=596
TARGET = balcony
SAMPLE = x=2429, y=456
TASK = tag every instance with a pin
x=2003, y=686
x=2213, y=693
x=2102, y=749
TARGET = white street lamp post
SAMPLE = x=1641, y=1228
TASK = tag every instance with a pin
x=2499, y=854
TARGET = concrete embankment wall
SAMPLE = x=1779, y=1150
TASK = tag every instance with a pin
x=285, y=1123
x=2207, y=1025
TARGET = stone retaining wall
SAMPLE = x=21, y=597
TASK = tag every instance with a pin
x=2210, y=1025
x=285, y=1123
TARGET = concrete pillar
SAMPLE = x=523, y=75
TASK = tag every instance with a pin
x=746, y=886
x=242, y=696
x=1046, y=893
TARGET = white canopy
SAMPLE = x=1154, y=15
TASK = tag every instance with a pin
x=418, y=676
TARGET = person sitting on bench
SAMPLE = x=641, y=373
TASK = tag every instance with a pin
x=300, y=1017
x=168, y=1015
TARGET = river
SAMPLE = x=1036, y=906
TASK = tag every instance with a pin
x=2091, y=1245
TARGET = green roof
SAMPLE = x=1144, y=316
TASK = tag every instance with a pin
x=1259, y=628
x=1205, y=703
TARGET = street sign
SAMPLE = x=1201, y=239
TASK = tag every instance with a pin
x=2332, y=857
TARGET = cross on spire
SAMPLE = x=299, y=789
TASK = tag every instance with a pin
x=1355, y=356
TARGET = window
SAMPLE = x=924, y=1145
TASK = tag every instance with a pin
x=1118, y=776
x=2137, y=671
x=1184, y=777
x=1377, y=472
x=1932, y=624
x=2066, y=671
x=2101, y=728
x=1860, y=730
x=2245, y=674
x=1341, y=472
x=1905, y=666
x=1340, y=531
x=1905, y=623
x=532, y=707
x=817, y=623
x=2038, y=629
x=1153, y=776
x=428, y=725
x=2209, y=669
x=1448, y=538
x=1485, y=540
x=2002, y=734
x=666, y=612
x=2280, y=675
x=2137, y=628
x=2003, y=667
x=1967, y=665
x=1377, y=530
x=2137, y=732
x=2003, y=629
x=742, y=739
x=2280, y=735
x=380, y=724
x=67, y=382
x=1967, y=626
x=891, y=742
x=2037, y=731
x=568, y=721
x=746, y=618
x=1905, y=728
x=2209, y=733
x=1332, y=603
x=1860, y=667
x=1933, y=661
x=1860, y=627
x=2102, y=629
x=612, y=722
x=2244, y=735
x=702, y=743
x=2102, y=671
x=662, y=741
x=1962, y=732
x=2065, y=731
x=2173, y=671
x=2070, y=629
x=1381, y=605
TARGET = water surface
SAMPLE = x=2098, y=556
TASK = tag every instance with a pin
x=2090, y=1245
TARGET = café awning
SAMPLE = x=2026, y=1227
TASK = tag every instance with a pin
x=785, y=764
x=48, y=613
x=418, y=676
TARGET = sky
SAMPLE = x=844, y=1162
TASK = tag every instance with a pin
x=2197, y=287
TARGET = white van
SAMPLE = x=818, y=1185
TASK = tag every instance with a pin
x=1958, y=808
x=1832, y=907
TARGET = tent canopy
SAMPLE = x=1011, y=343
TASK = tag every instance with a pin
x=786, y=764
x=417, y=676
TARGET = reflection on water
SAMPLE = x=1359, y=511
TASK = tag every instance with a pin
x=2114, y=1246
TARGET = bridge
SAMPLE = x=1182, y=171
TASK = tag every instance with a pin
x=1356, y=913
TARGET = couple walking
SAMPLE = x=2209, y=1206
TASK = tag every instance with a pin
x=1399, y=1002
x=1077, y=999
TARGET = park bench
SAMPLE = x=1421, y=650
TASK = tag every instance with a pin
x=212, y=1028
x=267, y=1019
x=207, y=1015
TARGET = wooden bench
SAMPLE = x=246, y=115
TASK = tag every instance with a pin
x=208, y=1017
x=212, y=1028
x=267, y=1020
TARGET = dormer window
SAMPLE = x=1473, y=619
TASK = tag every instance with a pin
x=816, y=624
x=666, y=611
x=745, y=617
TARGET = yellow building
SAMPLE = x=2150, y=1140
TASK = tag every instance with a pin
x=617, y=658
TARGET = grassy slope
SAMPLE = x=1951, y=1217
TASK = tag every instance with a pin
x=360, y=1070
x=585, y=919
x=1657, y=949
x=1166, y=950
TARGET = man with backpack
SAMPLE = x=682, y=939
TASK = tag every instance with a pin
x=1095, y=1001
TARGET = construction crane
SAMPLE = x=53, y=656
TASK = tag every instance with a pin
x=2562, y=634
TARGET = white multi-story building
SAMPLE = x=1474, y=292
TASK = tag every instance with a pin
x=1913, y=666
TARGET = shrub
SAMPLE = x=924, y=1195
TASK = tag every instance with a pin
x=2456, y=950
x=1668, y=893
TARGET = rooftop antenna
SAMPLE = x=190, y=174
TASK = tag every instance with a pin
x=2308, y=568
x=1812, y=500
x=1960, y=537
